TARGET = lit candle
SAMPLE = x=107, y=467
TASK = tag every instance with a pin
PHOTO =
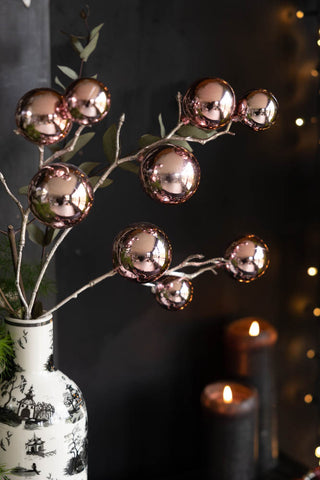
x=249, y=357
x=230, y=424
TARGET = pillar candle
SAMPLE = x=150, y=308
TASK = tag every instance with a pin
x=249, y=351
x=230, y=427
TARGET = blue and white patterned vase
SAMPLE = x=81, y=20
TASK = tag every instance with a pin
x=43, y=418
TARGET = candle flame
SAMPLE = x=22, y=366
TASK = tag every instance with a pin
x=227, y=394
x=254, y=329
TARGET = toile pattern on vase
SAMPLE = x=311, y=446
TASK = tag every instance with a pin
x=43, y=418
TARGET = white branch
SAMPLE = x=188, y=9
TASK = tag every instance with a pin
x=68, y=149
x=11, y=195
x=41, y=155
x=20, y=252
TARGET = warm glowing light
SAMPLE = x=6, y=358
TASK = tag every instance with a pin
x=299, y=14
x=308, y=398
x=314, y=73
x=254, y=329
x=313, y=120
x=311, y=353
x=316, y=312
x=299, y=122
x=317, y=452
x=318, y=42
x=312, y=271
x=227, y=394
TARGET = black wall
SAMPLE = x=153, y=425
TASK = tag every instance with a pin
x=141, y=368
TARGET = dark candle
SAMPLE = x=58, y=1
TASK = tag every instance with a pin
x=230, y=426
x=249, y=357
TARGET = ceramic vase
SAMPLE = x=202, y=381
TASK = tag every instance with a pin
x=43, y=418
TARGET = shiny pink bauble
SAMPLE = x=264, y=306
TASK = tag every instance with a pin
x=248, y=258
x=169, y=174
x=209, y=103
x=173, y=293
x=142, y=252
x=41, y=116
x=60, y=195
x=258, y=109
x=88, y=101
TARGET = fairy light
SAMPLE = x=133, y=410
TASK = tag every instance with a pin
x=310, y=353
x=308, y=398
x=317, y=452
x=299, y=14
x=312, y=271
x=299, y=122
x=314, y=73
x=316, y=312
x=318, y=42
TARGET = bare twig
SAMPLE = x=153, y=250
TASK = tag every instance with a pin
x=75, y=294
x=207, y=265
x=14, y=255
x=20, y=252
x=11, y=195
x=6, y=303
x=65, y=150
x=41, y=155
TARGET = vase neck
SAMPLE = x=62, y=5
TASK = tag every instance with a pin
x=33, y=343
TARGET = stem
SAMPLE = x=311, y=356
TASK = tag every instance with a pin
x=9, y=307
x=75, y=294
x=11, y=195
x=44, y=269
x=65, y=150
x=41, y=155
x=14, y=255
x=20, y=252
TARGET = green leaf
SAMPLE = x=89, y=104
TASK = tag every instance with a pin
x=82, y=141
x=162, y=129
x=195, y=132
x=148, y=139
x=50, y=235
x=87, y=167
x=94, y=181
x=109, y=141
x=93, y=40
x=181, y=143
x=36, y=235
x=77, y=45
x=130, y=167
x=57, y=81
x=94, y=76
x=68, y=72
x=24, y=190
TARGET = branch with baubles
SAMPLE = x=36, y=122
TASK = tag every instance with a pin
x=60, y=195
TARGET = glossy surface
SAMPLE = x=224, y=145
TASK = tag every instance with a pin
x=142, y=252
x=248, y=258
x=88, y=101
x=60, y=195
x=258, y=109
x=209, y=103
x=41, y=116
x=173, y=293
x=170, y=174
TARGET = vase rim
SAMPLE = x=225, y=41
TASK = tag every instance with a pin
x=32, y=322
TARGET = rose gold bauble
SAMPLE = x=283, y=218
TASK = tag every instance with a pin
x=88, y=101
x=170, y=174
x=142, y=252
x=248, y=258
x=60, y=195
x=173, y=293
x=209, y=103
x=41, y=116
x=258, y=109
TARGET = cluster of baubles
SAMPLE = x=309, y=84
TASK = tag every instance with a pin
x=171, y=174
x=142, y=252
x=60, y=195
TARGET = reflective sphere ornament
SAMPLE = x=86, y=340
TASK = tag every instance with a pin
x=248, y=258
x=258, y=109
x=170, y=174
x=142, y=252
x=41, y=116
x=88, y=101
x=60, y=195
x=173, y=293
x=209, y=103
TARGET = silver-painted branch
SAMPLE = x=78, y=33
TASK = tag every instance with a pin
x=68, y=149
x=11, y=195
x=20, y=254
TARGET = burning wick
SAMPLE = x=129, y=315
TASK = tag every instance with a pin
x=254, y=329
x=227, y=394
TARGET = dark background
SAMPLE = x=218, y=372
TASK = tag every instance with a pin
x=141, y=368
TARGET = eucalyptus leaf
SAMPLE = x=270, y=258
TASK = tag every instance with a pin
x=68, y=72
x=77, y=45
x=94, y=180
x=24, y=190
x=36, y=235
x=109, y=141
x=148, y=139
x=94, y=76
x=58, y=82
x=96, y=30
x=182, y=143
x=82, y=142
x=87, y=167
x=93, y=40
x=162, y=128
x=50, y=235
x=26, y=3
x=195, y=132
x=130, y=167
